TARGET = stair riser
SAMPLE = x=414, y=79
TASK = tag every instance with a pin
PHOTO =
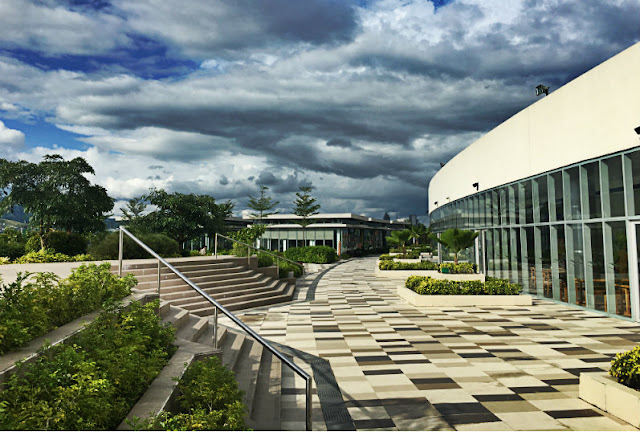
x=188, y=297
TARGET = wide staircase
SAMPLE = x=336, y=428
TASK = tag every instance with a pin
x=233, y=282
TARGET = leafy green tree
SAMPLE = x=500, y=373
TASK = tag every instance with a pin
x=262, y=205
x=132, y=213
x=400, y=238
x=305, y=206
x=56, y=193
x=457, y=240
x=185, y=216
x=418, y=232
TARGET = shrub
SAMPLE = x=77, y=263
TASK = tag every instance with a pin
x=93, y=381
x=33, y=244
x=210, y=400
x=460, y=268
x=82, y=257
x=393, y=265
x=286, y=267
x=385, y=257
x=265, y=260
x=11, y=249
x=345, y=256
x=160, y=243
x=43, y=256
x=312, y=254
x=65, y=243
x=29, y=309
x=4, y=260
x=194, y=253
x=428, y=286
x=626, y=368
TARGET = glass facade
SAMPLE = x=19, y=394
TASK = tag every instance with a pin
x=562, y=234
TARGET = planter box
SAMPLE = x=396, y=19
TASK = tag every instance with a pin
x=603, y=391
x=404, y=274
x=463, y=300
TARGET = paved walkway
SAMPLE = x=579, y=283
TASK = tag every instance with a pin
x=400, y=367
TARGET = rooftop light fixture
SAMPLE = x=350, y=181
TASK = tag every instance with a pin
x=435, y=203
x=476, y=185
x=542, y=89
x=441, y=164
x=637, y=130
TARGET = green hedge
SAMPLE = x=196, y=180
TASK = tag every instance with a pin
x=286, y=267
x=93, y=381
x=393, y=265
x=385, y=257
x=312, y=254
x=108, y=247
x=428, y=286
x=460, y=268
x=29, y=309
x=626, y=368
x=209, y=400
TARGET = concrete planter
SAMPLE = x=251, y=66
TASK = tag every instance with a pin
x=404, y=274
x=462, y=300
x=603, y=391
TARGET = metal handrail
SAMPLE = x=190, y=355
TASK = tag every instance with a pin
x=222, y=309
x=277, y=257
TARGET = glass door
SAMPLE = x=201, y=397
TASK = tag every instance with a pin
x=633, y=246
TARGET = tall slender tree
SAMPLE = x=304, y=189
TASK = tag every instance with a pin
x=305, y=207
x=457, y=240
x=262, y=205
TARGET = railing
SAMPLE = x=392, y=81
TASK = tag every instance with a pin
x=222, y=309
x=249, y=247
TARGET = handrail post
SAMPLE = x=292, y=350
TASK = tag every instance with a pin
x=215, y=328
x=120, y=250
x=215, y=246
x=158, y=278
x=248, y=256
x=309, y=404
x=278, y=268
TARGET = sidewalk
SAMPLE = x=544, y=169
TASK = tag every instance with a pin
x=399, y=367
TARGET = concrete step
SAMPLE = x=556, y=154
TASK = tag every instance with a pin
x=178, y=317
x=247, y=368
x=194, y=329
x=222, y=286
x=188, y=298
x=267, y=400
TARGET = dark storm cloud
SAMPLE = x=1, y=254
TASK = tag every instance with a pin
x=288, y=184
x=340, y=142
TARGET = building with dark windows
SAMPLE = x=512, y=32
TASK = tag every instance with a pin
x=345, y=232
x=555, y=192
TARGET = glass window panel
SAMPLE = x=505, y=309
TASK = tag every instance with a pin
x=490, y=260
x=503, y=207
x=528, y=202
x=495, y=208
x=635, y=168
x=543, y=198
x=616, y=188
x=497, y=259
x=531, y=259
x=559, y=197
x=574, y=191
x=621, y=268
x=506, y=264
x=562, y=263
x=578, y=265
x=518, y=254
x=597, y=267
x=592, y=172
x=545, y=248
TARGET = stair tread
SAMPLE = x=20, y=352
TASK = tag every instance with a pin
x=247, y=369
x=267, y=405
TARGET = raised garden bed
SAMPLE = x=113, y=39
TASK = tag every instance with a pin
x=603, y=391
x=462, y=300
x=404, y=274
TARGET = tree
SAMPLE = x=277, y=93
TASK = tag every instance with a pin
x=386, y=216
x=132, y=213
x=457, y=240
x=418, y=231
x=183, y=217
x=56, y=193
x=304, y=207
x=262, y=205
x=400, y=238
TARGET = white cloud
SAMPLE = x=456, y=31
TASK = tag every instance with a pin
x=11, y=140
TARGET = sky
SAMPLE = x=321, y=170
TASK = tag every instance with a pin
x=360, y=99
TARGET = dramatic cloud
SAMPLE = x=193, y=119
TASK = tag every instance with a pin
x=10, y=140
x=363, y=100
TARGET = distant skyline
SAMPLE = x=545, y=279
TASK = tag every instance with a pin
x=361, y=99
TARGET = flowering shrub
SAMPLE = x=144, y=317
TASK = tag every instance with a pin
x=428, y=286
x=626, y=368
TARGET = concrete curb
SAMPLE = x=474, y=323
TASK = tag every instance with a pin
x=603, y=391
x=462, y=300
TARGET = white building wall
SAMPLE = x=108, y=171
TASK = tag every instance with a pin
x=593, y=115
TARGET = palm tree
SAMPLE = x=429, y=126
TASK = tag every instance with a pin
x=457, y=240
x=400, y=238
x=418, y=231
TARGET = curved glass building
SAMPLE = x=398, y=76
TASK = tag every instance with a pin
x=555, y=192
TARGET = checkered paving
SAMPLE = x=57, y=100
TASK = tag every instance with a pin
x=401, y=367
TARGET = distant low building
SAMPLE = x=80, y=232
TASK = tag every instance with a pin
x=346, y=232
